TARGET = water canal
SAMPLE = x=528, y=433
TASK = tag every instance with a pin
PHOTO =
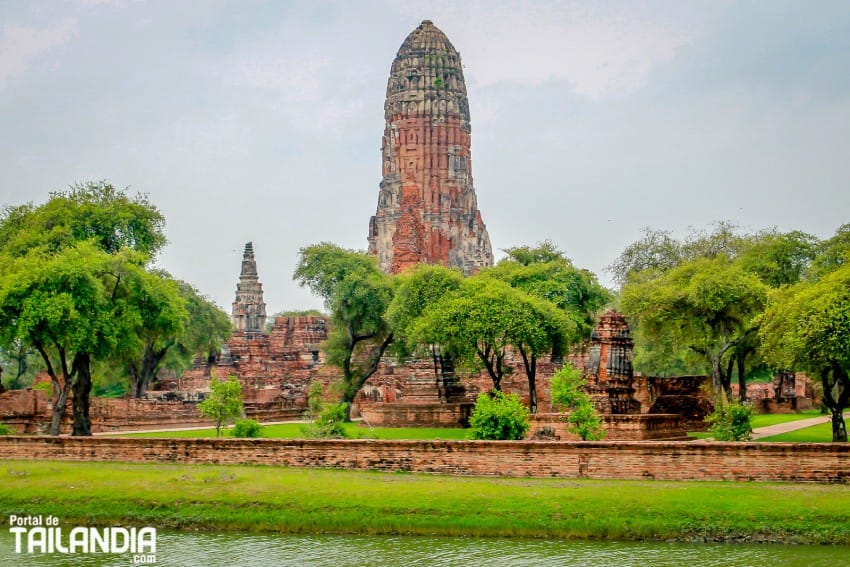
x=206, y=550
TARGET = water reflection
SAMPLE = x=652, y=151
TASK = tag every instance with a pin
x=197, y=550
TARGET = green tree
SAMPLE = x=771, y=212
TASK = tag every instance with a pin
x=63, y=305
x=656, y=252
x=157, y=313
x=206, y=330
x=94, y=211
x=498, y=416
x=568, y=393
x=708, y=305
x=62, y=287
x=775, y=258
x=832, y=253
x=807, y=327
x=224, y=402
x=545, y=273
x=483, y=318
x=357, y=294
x=779, y=258
x=417, y=289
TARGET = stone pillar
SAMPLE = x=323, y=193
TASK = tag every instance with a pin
x=249, y=310
x=609, y=371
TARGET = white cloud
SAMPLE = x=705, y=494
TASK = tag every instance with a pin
x=21, y=46
x=298, y=76
x=312, y=90
x=600, y=50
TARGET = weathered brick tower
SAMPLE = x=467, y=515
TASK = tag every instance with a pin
x=427, y=209
x=249, y=309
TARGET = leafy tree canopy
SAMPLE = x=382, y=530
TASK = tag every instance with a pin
x=545, y=272
x=93, y=211
x=416, y=290
x=832, y=253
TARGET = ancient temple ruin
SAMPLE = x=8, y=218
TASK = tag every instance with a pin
x=249, y=309
x=608, y=371
x=427, y=208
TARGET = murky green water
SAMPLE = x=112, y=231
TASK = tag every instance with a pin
x=197, y=550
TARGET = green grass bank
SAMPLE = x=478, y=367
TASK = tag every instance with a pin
x=318, y=501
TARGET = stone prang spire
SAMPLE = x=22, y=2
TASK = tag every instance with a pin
x=427, y=209
x=249, y=310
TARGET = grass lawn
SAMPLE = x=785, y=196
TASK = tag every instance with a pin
x=765, y=419
x=293, y=431
x=821, y=433
x=289, y=500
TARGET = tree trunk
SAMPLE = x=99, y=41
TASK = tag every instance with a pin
x=530, y=363
x=82, y=393
x=142, y=376
x=839, y=429
x=60, y=391
x=742, y=378
x=532, y=394
x=717, y=381
x=60, y=400
x=352, y=386
x=135, y=381
x=493, y=366
x=836, y=404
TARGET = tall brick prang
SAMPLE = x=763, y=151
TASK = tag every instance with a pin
x=427, y=209
x=249, y=309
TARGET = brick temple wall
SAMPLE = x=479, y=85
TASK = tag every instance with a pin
x=30, y=411
x=673, y=460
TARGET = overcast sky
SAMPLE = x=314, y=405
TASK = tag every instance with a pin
x=262, y=121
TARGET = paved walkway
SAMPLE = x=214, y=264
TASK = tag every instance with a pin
x=771, y=430
x=211, y=426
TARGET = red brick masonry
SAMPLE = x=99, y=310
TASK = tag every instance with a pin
x=673, y=460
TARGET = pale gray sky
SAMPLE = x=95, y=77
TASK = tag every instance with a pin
x=262, y=121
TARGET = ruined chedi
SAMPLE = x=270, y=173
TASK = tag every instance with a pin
x=427, y=209
x=249, y=309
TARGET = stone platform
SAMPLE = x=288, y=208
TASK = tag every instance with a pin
x=618, y=427
x=400, y=414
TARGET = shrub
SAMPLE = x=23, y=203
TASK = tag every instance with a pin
x=329, y=424
x=247, y=428
x=568, y=393
x=731, y=422
x=585, y=422
x=6, y=430
x=497, y=415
